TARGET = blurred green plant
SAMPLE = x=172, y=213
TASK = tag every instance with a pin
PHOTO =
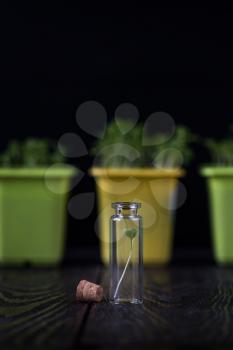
x=119, y=149
x=175, y=151
x=125, y=149
x=221, y=151
x=31, y=153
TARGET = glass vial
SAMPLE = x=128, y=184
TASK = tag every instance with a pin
x=126, y=261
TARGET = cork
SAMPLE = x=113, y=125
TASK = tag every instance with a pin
x=88, y=291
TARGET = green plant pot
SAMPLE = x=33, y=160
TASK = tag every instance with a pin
x=33, y=214
x=220, y=188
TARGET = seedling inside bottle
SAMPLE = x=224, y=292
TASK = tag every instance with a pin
x=131, y=234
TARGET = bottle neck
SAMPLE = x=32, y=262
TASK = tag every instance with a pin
x=126, y=212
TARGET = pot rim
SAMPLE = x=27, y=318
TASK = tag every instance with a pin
x=65, y=171
x=136, y=172
x=216, y=171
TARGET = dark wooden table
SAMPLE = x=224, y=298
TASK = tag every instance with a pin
x=183, y=306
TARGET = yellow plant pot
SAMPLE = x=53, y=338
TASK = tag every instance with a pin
x=156, y=189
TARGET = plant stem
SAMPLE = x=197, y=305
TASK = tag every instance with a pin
x=126, y=265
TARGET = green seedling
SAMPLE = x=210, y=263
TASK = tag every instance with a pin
x=131, y=234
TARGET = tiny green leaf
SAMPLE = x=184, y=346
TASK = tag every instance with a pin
x=131, y=233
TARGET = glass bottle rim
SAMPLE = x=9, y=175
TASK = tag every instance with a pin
x=126, y=205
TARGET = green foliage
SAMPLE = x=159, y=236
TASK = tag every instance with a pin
x=119, y=149
x=221, y=151
x=175, y=151
x=30, y=153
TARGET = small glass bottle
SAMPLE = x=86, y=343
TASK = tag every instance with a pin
x=126, y=261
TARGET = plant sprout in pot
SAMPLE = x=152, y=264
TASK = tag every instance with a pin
x=119, y=149
x=221, y=152
x=31, y=153
x=127, y=168
x=219, y=175
x=173, y=152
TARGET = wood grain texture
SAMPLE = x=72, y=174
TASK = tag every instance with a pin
x=182, y=307
x=38, y=307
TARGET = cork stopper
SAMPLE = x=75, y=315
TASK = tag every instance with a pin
x=88, y=291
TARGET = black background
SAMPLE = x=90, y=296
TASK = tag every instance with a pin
x=175, y=59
